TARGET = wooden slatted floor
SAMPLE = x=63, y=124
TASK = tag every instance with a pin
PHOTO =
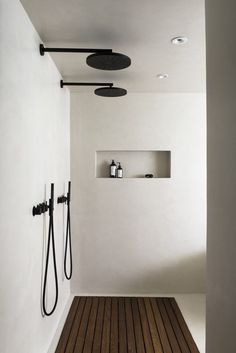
x=125, y=325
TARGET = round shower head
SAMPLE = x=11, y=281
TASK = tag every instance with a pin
x=110, y=92
x=108, y=61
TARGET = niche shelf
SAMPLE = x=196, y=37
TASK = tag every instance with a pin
x=135, y=163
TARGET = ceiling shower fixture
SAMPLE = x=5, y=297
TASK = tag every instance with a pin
x=102, y=59
x=106, y=91
x=108, y=61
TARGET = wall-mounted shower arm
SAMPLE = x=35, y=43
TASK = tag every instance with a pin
x=42, y=50
x=106, y=91
x=62, y=84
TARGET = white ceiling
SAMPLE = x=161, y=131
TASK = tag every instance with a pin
x=138, y=28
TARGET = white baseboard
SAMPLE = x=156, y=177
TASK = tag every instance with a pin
x=133, y=294
x=53, y=345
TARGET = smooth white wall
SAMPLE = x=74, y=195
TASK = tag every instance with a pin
x=139, y=236
x=221, y=137
x=34, y=151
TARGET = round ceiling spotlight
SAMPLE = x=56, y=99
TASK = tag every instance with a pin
x=162, y=76
x=179, y=40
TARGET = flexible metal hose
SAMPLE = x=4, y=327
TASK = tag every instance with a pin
x=68, y=236
x=50, y=238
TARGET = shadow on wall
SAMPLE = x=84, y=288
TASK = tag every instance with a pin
x=184, y=276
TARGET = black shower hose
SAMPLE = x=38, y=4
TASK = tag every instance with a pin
x=68, y=236
x=50, y=238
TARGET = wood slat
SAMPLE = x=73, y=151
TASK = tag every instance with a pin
x=105, y=346
x=175, y=325
x=125, y=325
x=99, y=326
x=68, y=326
x=131, y=345
x=74, y=331
x=152, y=326
x=114, y=346
x=145, y=327
x=169, y=330
x=122, y=327
x=161, y=328
x=79, y=345
x=189, y=339
x=137, y=327
x=88, y=343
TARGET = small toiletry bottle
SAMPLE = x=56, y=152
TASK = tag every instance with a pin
x=119, y=171
x=113, y=168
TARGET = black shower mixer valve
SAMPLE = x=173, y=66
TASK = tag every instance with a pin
x=40, y=208
x=62, y=199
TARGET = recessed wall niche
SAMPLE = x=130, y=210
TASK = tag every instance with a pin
x=135, y=164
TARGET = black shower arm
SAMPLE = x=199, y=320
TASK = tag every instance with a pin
x=62, y=84
x=42, y=50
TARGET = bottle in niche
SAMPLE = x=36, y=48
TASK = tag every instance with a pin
x=113, y=168
x=119, y=171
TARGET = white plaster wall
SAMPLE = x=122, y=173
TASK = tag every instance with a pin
x=138, y=236
x=34, y=151
x=221, y=137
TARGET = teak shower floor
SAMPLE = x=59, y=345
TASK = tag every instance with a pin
x=125, y=325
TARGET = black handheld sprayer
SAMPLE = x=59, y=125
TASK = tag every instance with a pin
x=66, y=199
x=50, y=239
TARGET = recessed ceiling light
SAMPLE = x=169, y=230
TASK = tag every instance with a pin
x=161, y=76
x=179, y=40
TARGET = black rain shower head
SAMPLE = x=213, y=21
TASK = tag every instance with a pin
x=108, y=61
x=107, y=91
x=102, y=59
x=110, y=92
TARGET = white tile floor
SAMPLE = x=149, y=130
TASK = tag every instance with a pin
x=192, y=307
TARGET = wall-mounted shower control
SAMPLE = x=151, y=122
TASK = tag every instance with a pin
x=40, y=208
x=62, y=199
